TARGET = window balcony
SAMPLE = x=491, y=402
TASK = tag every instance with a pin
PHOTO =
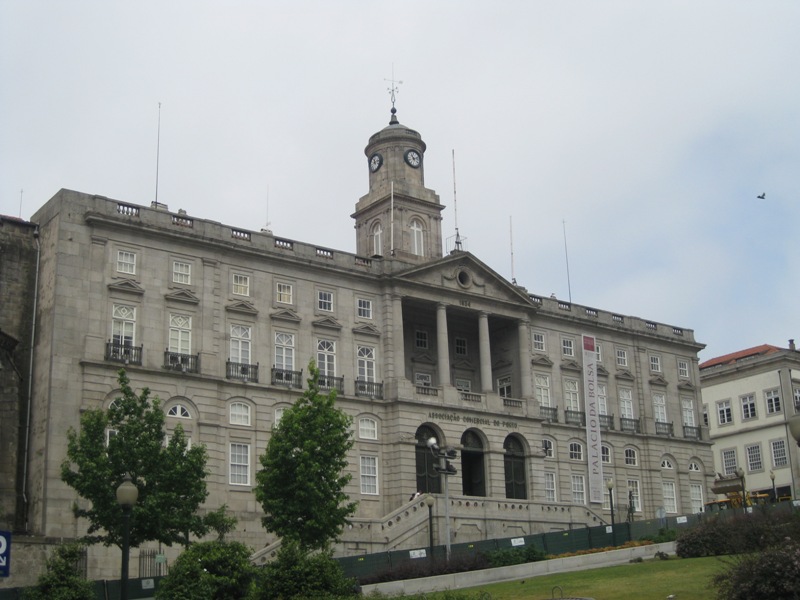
x=575, y=417
x=470, y=396
x=292, y=379
x=629, y=425
x=691, y=433
x=548, y=413
x=607, y=422
x=124, y=353
x=241, y=371
x=329, y=382
x=185, y=363
x=512, y=403
x=369, y=389
x=427, y=390
x=664, y=429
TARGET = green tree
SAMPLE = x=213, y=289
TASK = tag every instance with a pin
x=61, y=581
x=301, y=483
x=170, y=477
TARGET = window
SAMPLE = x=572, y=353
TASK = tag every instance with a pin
x=694, y=467
x=369, y=475
x=239, y=413
x=367, y=429
x=575, y=451
x=607, y=497
x=773, y=401
x=240, y=464
x=748, y=407
x=626, y=403
x=696, y=495
x=123, y=325
x=325, y=301
x=631, y=458
x=241, y=285
x=514, y=468
x=421, y=339
x=660, y=407
x=504, y=386
x=687, y=410
x=179, y=411
x=622, y=357
x=284, y=293
x=542, y=391
x=126, y=262
x=578, y=490
x=796, y=399
x=633, y=494
x=422, y=379
x=240, y=343
x=779, y=453
x=180, y=334
x=547, y=448
x=705, y=415
x=605, y=454
x=377, y=240
x=666, y=463
x=284, y=351
x=602, y=399
x=572, y=400
x=364, y=308
x=326, y=357
x=279, y=414
x=683, y=369
x=181, y=272
x=670, y=502
x=754, y=462
x=417, y=244
x=366, y=363
x=598, y=350
x=567, y=347
x=463, y=385
x=729, y=461
x=461, y=346
x=655, y=363
x=538, y=342
x=550, y=487
x=724, y=412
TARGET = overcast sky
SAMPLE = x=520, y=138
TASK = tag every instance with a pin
x=644, y=130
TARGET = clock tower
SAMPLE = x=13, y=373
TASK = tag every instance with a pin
x=399, y=216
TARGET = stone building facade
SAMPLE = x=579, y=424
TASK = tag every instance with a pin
x=220, y=321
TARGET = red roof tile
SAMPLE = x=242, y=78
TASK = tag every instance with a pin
x=734, y=356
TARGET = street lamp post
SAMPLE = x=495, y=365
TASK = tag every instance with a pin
x=774, y=495
x=445, y=468
x=429, y=501
x=127, y=494
x=740, y=475
x=610, y=486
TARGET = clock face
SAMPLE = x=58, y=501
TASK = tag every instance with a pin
x=375, y=162
x=413, y=159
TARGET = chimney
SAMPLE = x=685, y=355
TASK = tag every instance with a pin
x=791, y=345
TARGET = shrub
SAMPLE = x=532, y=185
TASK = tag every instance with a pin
x=664, y=535
x=61, y=581
x=709, y=538
x=771, y=573
x=414, y=569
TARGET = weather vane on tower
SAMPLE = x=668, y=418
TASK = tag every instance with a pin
x=393, y=91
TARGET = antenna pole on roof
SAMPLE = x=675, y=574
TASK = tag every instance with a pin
x=455, y=202
x=566, y=256
x=158, y=148
x=511, y=239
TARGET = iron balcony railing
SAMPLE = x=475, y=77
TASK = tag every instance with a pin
x=124, y=353
x=664, y=428
x=241, y=371
x=607, y=422
x=549, y=413
x=575, y=417
x=369, y=389
x=287, y=377
x=329, y=382
x=629, y=425
x=185, y=363
x=691, y=432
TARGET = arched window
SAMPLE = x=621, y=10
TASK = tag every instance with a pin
x=377, y=239
x=514, y=464
x=180, y=411
x=630, y=457
x=548, y=448
x=605, y=454
x=417, y=244
x=575, y=451
x=473, y=476
x=694, y=466
x=428, y=480
x=666, y=463
x=239, y=413
x=367, y=428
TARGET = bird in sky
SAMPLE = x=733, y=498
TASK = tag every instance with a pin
x=762, y=196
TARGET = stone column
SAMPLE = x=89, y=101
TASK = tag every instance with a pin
x=398, y=344
x=485, y=352
x=442, y=344
x=525, y=390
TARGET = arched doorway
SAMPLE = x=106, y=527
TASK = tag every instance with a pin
x=514, y=466
x=473, y=474
x=428, y=480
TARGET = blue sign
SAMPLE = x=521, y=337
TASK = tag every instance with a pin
x=5, y=553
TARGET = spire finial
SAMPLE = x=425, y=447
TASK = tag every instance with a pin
x=393, y=91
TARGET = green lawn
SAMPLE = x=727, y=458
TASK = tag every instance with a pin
x=687, y=579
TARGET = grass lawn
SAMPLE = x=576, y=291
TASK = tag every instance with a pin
x=687, y=578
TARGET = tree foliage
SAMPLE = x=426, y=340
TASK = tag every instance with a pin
x=170, y=477
x=62, y=581
x=301, y=483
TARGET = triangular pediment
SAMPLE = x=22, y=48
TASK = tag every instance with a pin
x=502, y=364
x=463, y=364
x=570, y=365
x=327, y=322
x=541, y=360
x=367, y=329
x=623, y=374
x=182, y=295
x=686, y=385
x=424, y=358
x=658, y=380
x=126, y=285
x=463, y=274
x=285, y=315
x=242, y=306
x=601, y=370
